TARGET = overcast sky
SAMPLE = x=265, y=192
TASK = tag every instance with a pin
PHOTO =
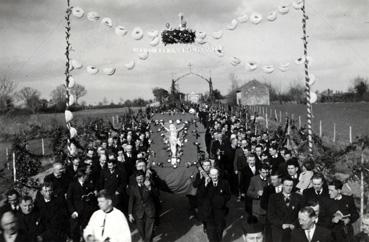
x=32, y=44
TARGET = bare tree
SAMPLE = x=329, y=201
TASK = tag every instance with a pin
x=234, y=82
x=30, y=97
x=58, y=95
x=7, y=89
x=78, y=91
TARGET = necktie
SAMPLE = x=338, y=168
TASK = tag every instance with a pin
x=308, y=235
x=287, y=201
x=215, y=184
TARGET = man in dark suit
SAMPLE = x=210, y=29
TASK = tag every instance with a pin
x=309, y=231
x=53, y=214
x=29, y=219
x=293, y=171
x=283, y=210
x=10, y=230
x=321, y=210
x=252, y=169
x=255, y=191
x=115, y=181
x=343, y=212
x=12, y=202
x=276, y=160
x=71, y=169
x=318, y=190
x=59, y=180
x=215, y=194
x=274, y=187
x=141, y=206
x=239, y=163
x=81, y=203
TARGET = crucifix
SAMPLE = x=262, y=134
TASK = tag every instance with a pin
x=189, y=66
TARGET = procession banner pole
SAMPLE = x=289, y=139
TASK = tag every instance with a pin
x=307, y=82
x=350, y=134
x=320, y=128
x=334, y=132
x=299, y=122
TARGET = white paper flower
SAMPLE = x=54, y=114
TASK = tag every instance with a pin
x=243, y=18
x=283, y=9
x=217, y=34
x=120, y=31
x=109, y=71
x=78, y=12
x=155, y=41
x=137, y=33
x=130, y=65
x=272, y=16
x=92, y=70
x=233, y=25
x=93, y=16
x=256, y=18
x=143, y=55
x=68, y=116
x=268, y=69
x=107, y=22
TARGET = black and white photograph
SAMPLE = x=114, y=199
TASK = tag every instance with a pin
x=184, y=121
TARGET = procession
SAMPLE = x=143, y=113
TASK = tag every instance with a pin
x=137, y=121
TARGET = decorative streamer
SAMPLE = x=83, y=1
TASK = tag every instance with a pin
x=68, y=77
x=307, y=80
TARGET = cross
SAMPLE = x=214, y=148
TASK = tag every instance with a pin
x=189, y=66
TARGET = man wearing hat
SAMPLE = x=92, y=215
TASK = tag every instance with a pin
x=253, y=233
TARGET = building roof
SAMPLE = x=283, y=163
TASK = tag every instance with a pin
x=253, y=84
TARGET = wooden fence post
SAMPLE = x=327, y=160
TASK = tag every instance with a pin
x=362, y=192
x=42, y=146
x=14, y=169
x=7, y=158
x=280, y=116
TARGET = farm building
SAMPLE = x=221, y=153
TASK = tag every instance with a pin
x=253, y=93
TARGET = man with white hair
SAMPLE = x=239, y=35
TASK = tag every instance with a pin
x=215, y=194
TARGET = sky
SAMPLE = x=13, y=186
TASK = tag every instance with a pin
x=33, y=43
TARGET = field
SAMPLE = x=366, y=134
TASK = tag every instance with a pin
x=343, y=115
x=12, y=125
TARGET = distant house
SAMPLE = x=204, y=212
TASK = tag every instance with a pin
x=253, y=93
x=193, y=97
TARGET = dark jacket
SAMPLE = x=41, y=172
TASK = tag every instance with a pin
x=214, y=200
x=142, y=201
x=320, y=235
x=279, y=213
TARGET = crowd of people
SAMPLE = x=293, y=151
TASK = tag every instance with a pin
x=98, y=195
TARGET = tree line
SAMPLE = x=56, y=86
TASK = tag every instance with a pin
x=295, y=93
x=28, y=100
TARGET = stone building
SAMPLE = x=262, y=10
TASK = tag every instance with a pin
x=253, y=93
